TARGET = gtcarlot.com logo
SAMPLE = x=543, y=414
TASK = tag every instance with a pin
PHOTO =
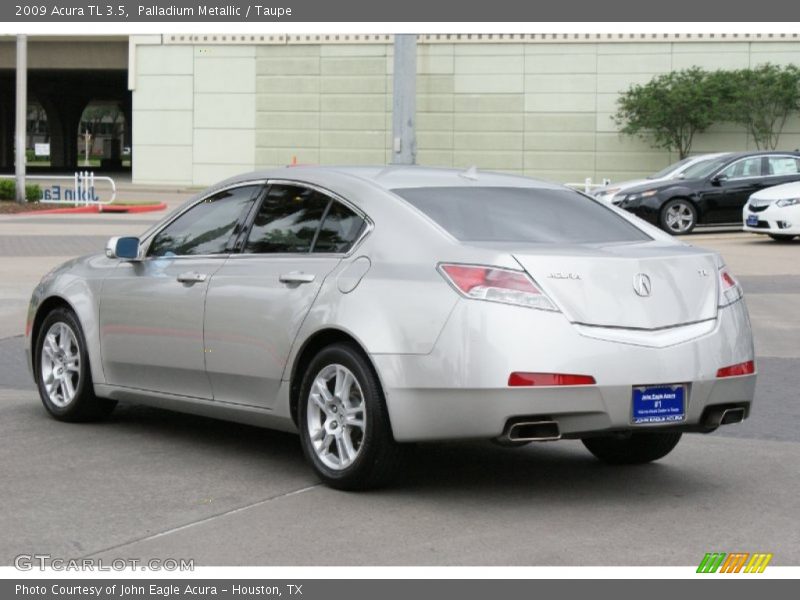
x=735, y=562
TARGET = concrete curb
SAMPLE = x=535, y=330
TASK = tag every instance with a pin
x=78, y=210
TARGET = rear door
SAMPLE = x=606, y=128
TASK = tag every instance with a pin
x=258, y=300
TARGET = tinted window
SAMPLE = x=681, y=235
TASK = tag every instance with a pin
x=340, y=229
x=704, y=169
x=667, y=170
x=783, y=165
x=749, y=167
x=207, y=227
x=504, y=214
x=287, y=220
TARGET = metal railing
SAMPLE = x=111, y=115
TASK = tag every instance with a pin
x=83, y=191
x=587, y=186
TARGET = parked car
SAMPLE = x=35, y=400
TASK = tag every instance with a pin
x=370, y=307
x=710, y=193
x=674, y=171
x=774, y=211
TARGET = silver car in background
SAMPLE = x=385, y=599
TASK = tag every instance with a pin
x=366, y=308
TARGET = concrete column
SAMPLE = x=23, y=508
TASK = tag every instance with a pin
x=404, y=100
x=22, y=114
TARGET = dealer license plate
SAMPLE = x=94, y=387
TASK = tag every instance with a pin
x=659, y=404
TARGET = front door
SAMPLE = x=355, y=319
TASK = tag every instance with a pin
x=151, y=311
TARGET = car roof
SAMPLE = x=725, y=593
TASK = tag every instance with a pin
x=401, y=176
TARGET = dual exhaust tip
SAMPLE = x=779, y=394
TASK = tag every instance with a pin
x=533, y=431
x=548, y=430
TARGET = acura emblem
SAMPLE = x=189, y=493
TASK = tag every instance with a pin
x=642, y=285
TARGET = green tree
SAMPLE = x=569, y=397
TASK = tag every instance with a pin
x=671, y=108
x=762, y=99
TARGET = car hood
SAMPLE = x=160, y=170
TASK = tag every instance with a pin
x=778, y=192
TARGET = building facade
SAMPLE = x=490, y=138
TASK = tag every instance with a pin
x=205, y=107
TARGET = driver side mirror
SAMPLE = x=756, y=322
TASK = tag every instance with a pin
x=125, y=248
x=718, y=179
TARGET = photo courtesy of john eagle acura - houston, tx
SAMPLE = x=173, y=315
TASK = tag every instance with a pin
x=370, y=307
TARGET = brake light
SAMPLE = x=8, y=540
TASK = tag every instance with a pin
x=518, y=379
x=729, y=288
x=743, y=368
x=496, y=284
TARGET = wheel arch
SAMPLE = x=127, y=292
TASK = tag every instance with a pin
x=311, y=346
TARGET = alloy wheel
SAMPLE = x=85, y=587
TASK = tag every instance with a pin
x=61, y=364
x=679, y=217
x=336, y=417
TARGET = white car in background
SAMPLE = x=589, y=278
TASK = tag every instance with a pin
x=774, y=211
x=611, y=191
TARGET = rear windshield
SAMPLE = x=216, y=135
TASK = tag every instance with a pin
x=529, y=215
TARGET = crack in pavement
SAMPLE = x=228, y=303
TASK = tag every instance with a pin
x=226, y=513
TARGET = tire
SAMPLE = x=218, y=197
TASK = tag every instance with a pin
x=781, y=238
x=60, y=354
x=634, y=449
x=678, y=217
x=343, y=454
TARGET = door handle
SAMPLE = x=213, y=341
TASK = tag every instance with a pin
x=192, y=277
x=296, y=277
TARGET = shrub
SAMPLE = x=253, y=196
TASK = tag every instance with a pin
x=8, y=191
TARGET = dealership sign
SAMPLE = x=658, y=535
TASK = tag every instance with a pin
x=82, y=188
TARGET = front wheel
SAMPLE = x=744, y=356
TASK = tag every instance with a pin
x=344, y=425
x=635, y=448
x=63, y=375
x=678, y=217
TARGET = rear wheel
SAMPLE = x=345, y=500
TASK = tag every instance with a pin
x=678, y=216
x=632, y=449
x=781, y=238
x=63, y=374
x=343, y=421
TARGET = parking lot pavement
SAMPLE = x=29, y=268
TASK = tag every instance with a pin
x=150, y=483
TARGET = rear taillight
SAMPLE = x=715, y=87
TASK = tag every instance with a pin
x=743, y=368
x=729, y=289
x=496, y=285
x=518, y=379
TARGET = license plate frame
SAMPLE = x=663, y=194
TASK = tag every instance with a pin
x=662, y=404
x=752, y=221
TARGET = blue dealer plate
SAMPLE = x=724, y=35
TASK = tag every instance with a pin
x=659, y=404
x=752, y=220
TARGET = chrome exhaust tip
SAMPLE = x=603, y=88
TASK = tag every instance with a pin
x=732, y=416
x=533, y=431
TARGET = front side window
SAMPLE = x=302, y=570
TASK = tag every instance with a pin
x=749, y=167
x=207, y=227
x=521, y=215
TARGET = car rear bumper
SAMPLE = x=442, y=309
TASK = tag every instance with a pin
x=460, y=389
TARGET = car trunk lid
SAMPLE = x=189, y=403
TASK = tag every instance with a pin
x=636, y=286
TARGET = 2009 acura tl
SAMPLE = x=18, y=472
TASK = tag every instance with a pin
x=368, y=307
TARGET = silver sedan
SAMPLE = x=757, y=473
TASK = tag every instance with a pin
x=366, y=308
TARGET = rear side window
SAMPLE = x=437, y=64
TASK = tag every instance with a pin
x=287, y=220
x=524, y=215
x=340, y=229
x=783, y=165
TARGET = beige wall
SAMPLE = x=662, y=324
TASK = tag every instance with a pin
x=202, y=112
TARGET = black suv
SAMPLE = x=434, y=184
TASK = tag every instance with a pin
x=711, y=192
